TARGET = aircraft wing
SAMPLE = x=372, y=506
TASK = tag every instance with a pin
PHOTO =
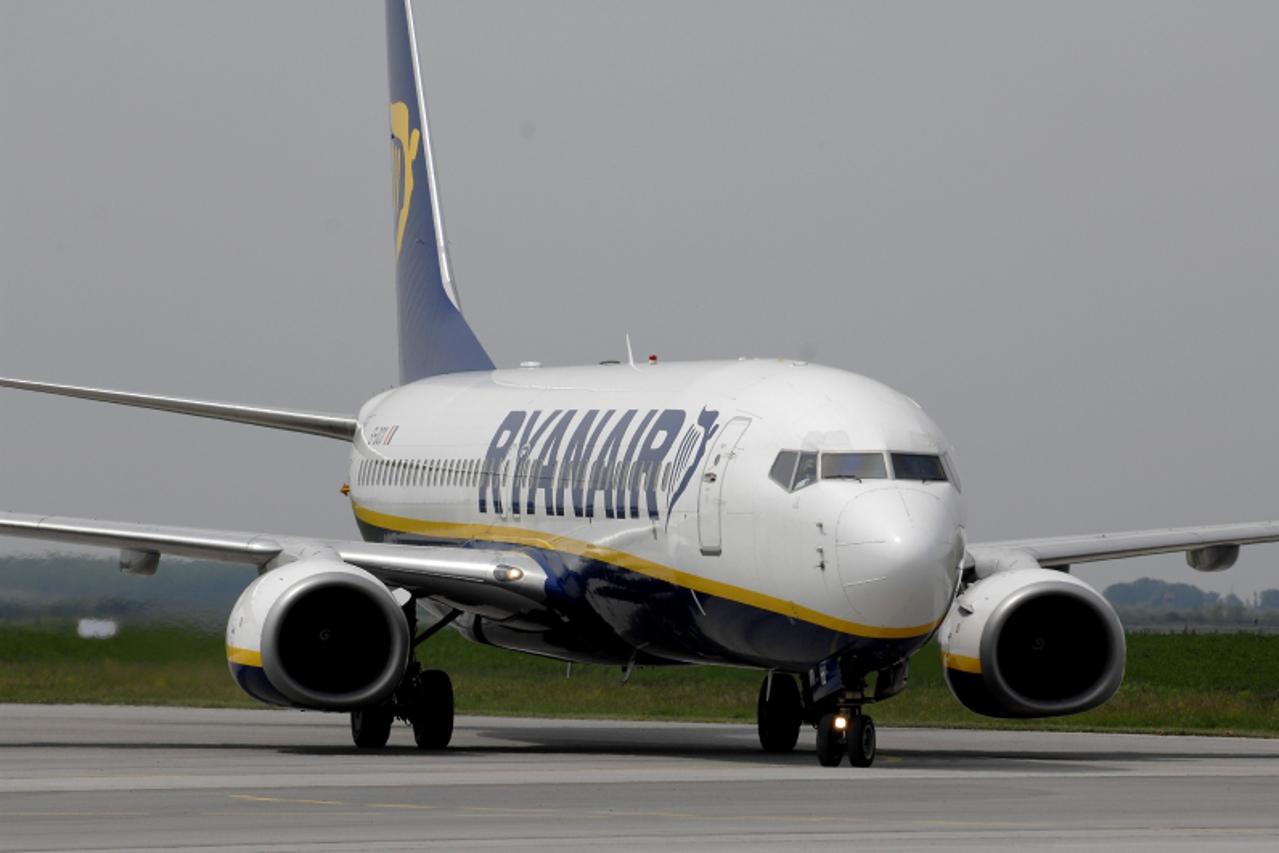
x=1208, y=548
x=315, y=423
x=491, y=581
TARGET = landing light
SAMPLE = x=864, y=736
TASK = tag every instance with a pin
x=508, y=573
x=841, y=723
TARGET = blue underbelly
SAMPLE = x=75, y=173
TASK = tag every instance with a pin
x=613, y=614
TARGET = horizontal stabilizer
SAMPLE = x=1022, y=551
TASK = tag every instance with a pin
x=329, y=426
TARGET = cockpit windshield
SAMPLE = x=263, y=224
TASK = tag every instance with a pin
x=918, y=466
x=795, y=469
x=854, y=466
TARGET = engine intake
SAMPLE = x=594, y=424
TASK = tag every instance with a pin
x=329, y=636
x=1032, y=643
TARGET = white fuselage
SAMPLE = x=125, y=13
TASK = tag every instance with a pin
x=646, y=490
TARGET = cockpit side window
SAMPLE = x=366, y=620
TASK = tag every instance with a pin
x=854, y=466
x=783, y=470
x=918, y=466
x=949, y=464
x=805, y=471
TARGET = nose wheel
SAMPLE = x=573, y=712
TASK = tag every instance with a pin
x=848, y=732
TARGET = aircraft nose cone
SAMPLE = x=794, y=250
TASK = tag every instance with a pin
x=899, y=551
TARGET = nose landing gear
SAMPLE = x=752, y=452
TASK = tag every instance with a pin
x=847, y=731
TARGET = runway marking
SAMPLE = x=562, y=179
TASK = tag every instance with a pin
x=415, y=806
x=75, y=814
x=735, y=818
x=256, y=799
x=279, y=814
x=503, y=811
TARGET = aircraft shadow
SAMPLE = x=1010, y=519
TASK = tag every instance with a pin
x=708, y=745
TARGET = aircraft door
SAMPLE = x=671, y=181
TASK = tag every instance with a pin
x=710, y=498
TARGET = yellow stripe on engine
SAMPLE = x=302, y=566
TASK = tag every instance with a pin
x=552, y=542
x=244, y=657
x=963, y=663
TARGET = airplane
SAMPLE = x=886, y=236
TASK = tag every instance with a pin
x=765, y=513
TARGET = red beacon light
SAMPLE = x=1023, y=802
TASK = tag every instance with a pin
x=652, y=359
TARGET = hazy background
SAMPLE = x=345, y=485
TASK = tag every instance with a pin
x=1057, y=227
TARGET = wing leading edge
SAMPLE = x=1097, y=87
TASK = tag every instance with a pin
x=1207, y=548
x=470, y=579
x=314, y=423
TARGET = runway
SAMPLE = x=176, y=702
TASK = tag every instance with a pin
x=92, y=778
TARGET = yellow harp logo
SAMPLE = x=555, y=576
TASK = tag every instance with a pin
x=404, y=145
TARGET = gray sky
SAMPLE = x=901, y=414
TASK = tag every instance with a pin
x=1056, y=226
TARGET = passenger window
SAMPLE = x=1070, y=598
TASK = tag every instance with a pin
x=854, y=466
x=783, y=470
x=918, y=466
x=805, y=471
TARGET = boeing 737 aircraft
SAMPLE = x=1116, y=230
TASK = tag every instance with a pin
x=765, y=513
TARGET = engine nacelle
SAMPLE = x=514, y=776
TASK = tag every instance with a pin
x=1032, y=643
x=318, y=633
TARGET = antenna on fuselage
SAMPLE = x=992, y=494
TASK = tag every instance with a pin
x=630, y=355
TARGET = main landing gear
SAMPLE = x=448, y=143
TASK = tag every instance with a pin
x=780, y=713
x=842, y=729
x=424, y=699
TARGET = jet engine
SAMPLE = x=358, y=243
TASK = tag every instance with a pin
x=318, y=633
x=1032, y=643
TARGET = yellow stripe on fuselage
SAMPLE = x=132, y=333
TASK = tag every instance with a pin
x=552, y=542
x=963, y=663
x=243, y=657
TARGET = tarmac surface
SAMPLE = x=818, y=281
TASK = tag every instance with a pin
x=93, y=778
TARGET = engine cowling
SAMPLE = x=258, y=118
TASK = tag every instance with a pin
x=1032, y=643
x=318, y=633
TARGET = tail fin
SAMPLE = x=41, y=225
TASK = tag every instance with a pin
x=434, y=337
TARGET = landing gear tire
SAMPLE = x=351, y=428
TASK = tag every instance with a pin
x=830, y=742
x=432, y=715
x=779, y=714
x=861, y=741
x=371, y=727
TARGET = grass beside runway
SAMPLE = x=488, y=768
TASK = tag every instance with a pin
x=1207, y=683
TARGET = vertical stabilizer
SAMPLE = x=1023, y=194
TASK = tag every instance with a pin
x=434, y=337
